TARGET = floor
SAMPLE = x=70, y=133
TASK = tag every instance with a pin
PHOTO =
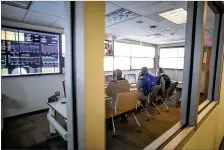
x=32, y=132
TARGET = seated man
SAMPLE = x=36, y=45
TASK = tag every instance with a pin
x=161, y=74
x=145, y=83
x=118, y=85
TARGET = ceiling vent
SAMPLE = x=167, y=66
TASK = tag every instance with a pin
x=18, y=4
x=119, y=16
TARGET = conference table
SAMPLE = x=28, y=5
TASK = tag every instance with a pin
x=60, y=107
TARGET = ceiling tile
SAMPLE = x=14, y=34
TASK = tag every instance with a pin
x=59, y=23
x=35, y=16
x=13, y=19
x=37, y=22
x=56, y=9
x=12, y=12
x=111, y=7
x=144, y=7
x=119, y=16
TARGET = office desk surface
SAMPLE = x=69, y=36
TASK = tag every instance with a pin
x=59, y=107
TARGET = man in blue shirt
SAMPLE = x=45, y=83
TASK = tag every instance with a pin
x=145, y=83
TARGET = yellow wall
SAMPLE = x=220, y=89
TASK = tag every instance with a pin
x=94, y=74
x=211, y=132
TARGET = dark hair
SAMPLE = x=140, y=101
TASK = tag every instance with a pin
x=161, y=70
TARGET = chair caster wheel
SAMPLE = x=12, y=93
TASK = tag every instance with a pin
x=114, y=136
x=139, y=131
x=158, y=113
x=147, y=119
x=167, y=110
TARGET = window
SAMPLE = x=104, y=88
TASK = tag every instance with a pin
x=142, y=56
x=129, y=56
x=122, y=63
x=26, y=52
x=172, y=58
x=108, y=63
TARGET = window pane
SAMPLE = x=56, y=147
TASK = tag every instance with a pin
x=122, y=63
x=142, y=51
x=180, y=63
x=108, y=63
x=137, y=63
x=168, y=63
x=180, y=52
x=121, y=49
x=168, y=52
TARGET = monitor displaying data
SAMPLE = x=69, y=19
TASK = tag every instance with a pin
x=28, y=52
x=108, y=78
x=130, y=77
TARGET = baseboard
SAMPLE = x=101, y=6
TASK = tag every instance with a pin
x=26, y=114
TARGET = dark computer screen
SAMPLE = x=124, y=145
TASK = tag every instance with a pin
x=130, y=77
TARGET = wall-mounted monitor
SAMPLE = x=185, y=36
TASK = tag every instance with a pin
x=29, y=52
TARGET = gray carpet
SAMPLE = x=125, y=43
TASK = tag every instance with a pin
x=32, y=132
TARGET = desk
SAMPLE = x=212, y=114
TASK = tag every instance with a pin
x=58, y=107
x=179, y=85
x=51, y=116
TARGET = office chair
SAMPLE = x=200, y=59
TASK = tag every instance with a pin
x=152, y=97
x=170, y=91
x=125, y=102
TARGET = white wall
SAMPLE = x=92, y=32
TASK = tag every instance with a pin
x=27, y=94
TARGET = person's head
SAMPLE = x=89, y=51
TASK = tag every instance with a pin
x=144, y=70
x=117, y=74
x=160, y=71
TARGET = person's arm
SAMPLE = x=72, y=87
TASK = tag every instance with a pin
x=139, y=84
x=108, y=89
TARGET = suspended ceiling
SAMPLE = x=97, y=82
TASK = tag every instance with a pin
x=120, y=19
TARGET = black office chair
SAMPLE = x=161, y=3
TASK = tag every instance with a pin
x=170, y=91
x=152, y=97
x=164, y=92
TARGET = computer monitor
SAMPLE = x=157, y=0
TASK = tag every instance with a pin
x=108, y=78
x=131, y=78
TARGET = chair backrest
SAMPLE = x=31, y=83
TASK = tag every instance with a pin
x=163, y=83
x=117, y=87
x=171, y=89
x=63, y=83
x=154, y=92
x=126, y=101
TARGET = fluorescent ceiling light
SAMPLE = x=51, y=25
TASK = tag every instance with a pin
x=178, y=16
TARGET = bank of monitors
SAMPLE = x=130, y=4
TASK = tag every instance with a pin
x=28, y=52
x=131, y=78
